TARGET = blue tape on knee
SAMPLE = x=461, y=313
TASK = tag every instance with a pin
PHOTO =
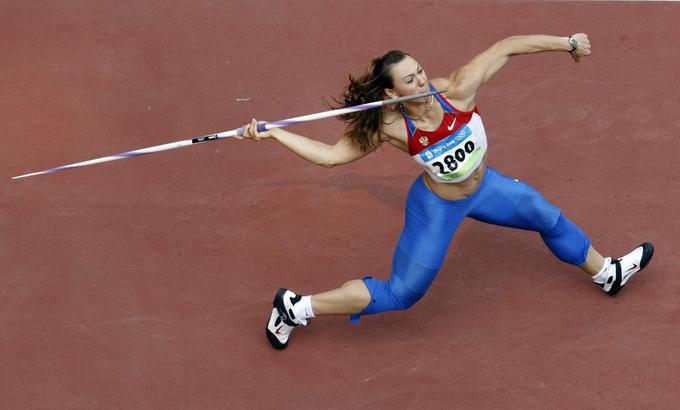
x=387, y=295
x=380, y=293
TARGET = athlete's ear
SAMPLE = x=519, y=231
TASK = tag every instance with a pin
x=390, y=93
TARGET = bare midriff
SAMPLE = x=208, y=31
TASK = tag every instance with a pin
x=459, y=190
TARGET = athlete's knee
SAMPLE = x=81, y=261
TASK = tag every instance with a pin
x=389, y=295
x=408, y=283
x=404, y=296
x=397, y=295
x=567, y=241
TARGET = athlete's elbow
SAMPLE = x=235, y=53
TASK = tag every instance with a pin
x=331, y=158
x=508, y=46
x=333, y=162
x=327, y=162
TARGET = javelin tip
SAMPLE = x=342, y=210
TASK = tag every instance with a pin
x=28, y=175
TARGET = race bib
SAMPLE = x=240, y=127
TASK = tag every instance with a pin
x=454, y=157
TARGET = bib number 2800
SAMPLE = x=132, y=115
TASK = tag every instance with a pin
x=451, y=161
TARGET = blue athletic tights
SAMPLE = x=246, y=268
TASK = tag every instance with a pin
x=432, y=221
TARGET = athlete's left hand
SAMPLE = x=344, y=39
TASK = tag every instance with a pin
x=583, y=48
x=250, y=131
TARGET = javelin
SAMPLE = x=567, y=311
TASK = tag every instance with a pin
x=233, y=133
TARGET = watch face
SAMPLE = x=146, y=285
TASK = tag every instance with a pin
x=574, y=43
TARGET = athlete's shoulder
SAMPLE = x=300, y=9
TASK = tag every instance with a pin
x=442, y=84
x=452, y=95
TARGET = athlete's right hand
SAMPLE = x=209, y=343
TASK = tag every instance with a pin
x=250, y=131
x=583, y=49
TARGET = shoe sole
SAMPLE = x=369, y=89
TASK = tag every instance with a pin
x=647, y=253
x=280, y=308
x=276, y=344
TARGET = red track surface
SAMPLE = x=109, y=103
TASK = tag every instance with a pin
x=145, y=283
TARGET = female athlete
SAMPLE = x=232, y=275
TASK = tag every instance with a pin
x=443, y=133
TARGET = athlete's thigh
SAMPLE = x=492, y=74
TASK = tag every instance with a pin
x=509, y=202
x=430, y=224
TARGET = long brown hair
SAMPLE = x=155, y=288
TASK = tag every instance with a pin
x=363, y=126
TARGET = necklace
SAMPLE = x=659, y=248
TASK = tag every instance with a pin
x=422, y=114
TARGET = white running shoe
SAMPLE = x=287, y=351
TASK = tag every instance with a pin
x=621, y=270
x=282, y=321
x=277, y=331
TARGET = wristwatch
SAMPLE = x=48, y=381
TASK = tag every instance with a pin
x=574, y=44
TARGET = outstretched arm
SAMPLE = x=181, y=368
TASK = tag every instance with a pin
x=317, y=152
x=465, y=81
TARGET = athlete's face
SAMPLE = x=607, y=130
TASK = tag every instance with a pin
x=408, y=78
